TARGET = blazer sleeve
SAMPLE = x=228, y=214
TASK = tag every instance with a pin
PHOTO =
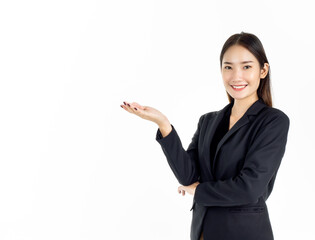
x=183, y=163
x=260, y=166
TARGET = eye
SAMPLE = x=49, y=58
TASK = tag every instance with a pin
x=248, y=66
x=227, y=67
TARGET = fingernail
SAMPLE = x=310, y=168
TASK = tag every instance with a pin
x=136, y=108
x=128, y=104
x=122, y=106
x=125, y=103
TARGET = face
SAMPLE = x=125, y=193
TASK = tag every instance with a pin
x=241, y=73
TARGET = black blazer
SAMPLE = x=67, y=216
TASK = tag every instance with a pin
x=244, y=167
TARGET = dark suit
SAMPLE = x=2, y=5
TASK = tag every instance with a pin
x=235, y=185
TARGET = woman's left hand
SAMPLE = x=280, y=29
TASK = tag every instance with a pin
x=190, y=189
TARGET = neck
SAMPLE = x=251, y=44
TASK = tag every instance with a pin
x=240, y=106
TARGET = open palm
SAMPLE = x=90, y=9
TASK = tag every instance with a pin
x=145, y=112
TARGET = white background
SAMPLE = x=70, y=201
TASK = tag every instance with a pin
x=75, y=165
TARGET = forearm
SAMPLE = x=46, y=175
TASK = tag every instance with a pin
x=182, y=162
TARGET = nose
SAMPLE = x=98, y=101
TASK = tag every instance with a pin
x=237, y=74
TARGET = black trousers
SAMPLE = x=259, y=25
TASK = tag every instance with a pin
x=235, y=223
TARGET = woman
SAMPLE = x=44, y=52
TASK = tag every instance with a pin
x=232, y=161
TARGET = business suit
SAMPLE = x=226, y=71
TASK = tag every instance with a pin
x=235, y=184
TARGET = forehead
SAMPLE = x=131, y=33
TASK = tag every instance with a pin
x=238, y=54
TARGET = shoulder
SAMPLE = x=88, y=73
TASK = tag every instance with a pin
x=208, y=116
x=269, y=114
x=266, y=116
x=270, y=120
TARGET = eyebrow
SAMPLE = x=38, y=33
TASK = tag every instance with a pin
x=241, y=62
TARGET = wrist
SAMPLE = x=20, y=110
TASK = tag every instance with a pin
x=165, y=128
x=163, y=123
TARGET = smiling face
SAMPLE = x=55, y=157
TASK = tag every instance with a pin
x=241, y=73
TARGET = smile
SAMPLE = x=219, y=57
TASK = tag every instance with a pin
x=239, y=88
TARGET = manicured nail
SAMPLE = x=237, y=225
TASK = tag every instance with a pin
x=122, y=106
x=125, y=103
x=128, y=104
x=136, y=108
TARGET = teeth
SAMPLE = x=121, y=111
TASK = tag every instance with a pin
x=239, y=86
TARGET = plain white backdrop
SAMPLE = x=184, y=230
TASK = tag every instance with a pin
x=75, y=165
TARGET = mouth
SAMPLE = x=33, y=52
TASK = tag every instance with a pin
x=239, y=87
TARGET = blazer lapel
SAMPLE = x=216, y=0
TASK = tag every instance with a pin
x=252, y=110
x=211, y=128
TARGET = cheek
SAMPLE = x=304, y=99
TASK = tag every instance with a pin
x=226, y=78
x=226, y=82
x=253, y=78
x=251, y=74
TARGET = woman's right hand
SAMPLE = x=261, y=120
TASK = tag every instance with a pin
x=146, y=112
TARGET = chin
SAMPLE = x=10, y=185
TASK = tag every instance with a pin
x=239, y=96
x=244, y=97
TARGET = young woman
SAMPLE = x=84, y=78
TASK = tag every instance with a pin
x=231, y=164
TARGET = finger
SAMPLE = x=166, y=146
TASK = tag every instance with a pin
x=138, y=106
x=134, y=107
x=181, y=190
x=131, y=108
x=127, y=104
x=127, y=108
x=136, y=110
x=124, y=107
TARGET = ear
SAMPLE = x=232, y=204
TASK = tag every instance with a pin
x=264, y=71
